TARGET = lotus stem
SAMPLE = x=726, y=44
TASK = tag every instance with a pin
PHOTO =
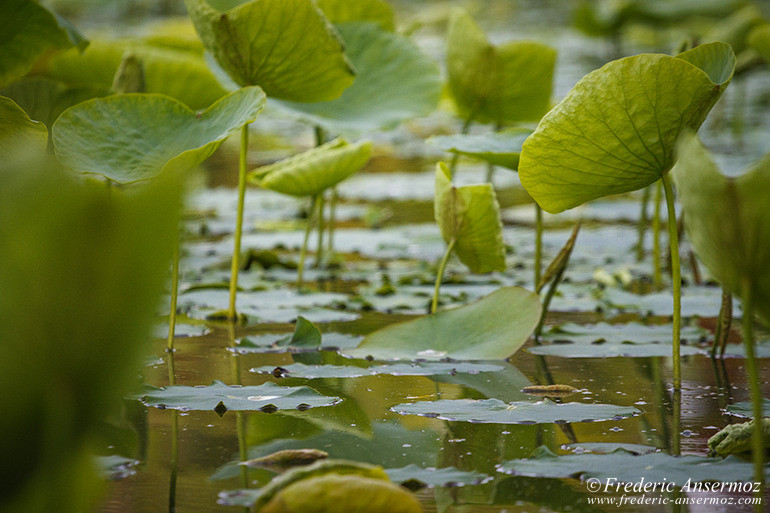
x=538, y=244
x=235, y=264
x=677, y=430
x=332, y=222
x=657, y=274
x=547, y=303
x=303, y=251
x=174, y=461
x=758, y=449
x=676, y=278
x=320, y=220
x=723, y=324
x=440, y=275
x=174, y=297
x=641, y=226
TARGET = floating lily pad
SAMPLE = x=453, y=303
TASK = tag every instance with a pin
x=312, y=172
x=132, y=137
x=394, y=81
x=286, y=47
x=616, y=130
x=498, y=412
x=182, y=330
x=746, y=410
x=490, y=329
x=631, y=332
x=608, y=448
x=629, y=468
x=17, y=131
x=412, y=475
x=298, y=370
x=499, y=148
x=221, y=398
x=611, y=350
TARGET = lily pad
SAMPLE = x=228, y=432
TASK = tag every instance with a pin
x=498, y=148
x=629, y=468
x=221, y=398
x=725, y=219
x=469, y=218
x=632, y=332
x=413, y=476
x=287, y=47
x=298, y=370
x=492, y=328
x=608, y=448
x=133, y=137
x=500, y=84
x=394, y=81
x=616, y=130
x=28, y=30
x=17, y=131
x=312, y=172
x=745, y=409
x=610, y=350
x=499, y=412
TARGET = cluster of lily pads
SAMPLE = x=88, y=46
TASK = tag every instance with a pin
x=132, y=118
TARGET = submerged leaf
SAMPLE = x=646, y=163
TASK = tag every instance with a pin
x=18, y=132
x=498, y=412
x=315, y=170
x=726, y=220
x=498, y=148
x=616, y=130
x=287, y=47
x=490, y=329
x=133, y=137
x=500, y=84
x=470, y=216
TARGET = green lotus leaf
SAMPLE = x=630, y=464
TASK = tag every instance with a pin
x=394, y=81
x=521, y=412
x=470, y=216
x=28, y=30
x=220, y=398
x=315, y=170
x=343, y=11
x=17, y=131
x=725, y=220
x=306, y=335
x=626, y=467
x=759, y=40
x=181, y=74
x=500, y=84
x=287, y=47
x=736, y=438
x=498, y=148
x=617, y=128
x=492, y=328
x=133, y=137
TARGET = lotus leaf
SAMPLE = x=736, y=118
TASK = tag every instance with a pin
x=498, y=148
x=759, y=40
x=469, y=217
x=736, y=438
x=17, y=131
x=287, y=47
x=221, y=398
x=726, y=220
x=500, y=84
x=616, y=130
x=133, y=137
x=394, y=81
x=522, y=412
x=492, y=328
x=342, y=11
x=312, y=172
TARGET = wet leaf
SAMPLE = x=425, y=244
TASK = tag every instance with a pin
x=608, y=448
x=550, y=390
x=298, y=370
x=312, y=172
x=501, y=84
x=28, y=30
x=470, y=216
x=18, y=132
x=746, y=410
x=726, y=220
x=490, y=329
x=375, y=11
x=267, y=397
x=498, y=412
x=394, y=81
x=414, y=477
x=133, y=137
x=499, y=148
x=287, y=47
x=736, y=438
x=629, y=468
x=616, y=130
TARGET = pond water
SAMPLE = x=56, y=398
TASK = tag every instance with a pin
x=386, y=235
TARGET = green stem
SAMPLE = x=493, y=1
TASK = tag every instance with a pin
x=677, y=430
x=758, y=443
x=676, y=277
x=724, y=322
x=174, y=297
x=332, y=222
x=320, y=230
x=538, y=244
x=174, y=439
x=440, y=275
x=464, y=130
x=235, y=265
x=303, y=251
x=641, y=227
x=547, y=303
x=657, y=274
